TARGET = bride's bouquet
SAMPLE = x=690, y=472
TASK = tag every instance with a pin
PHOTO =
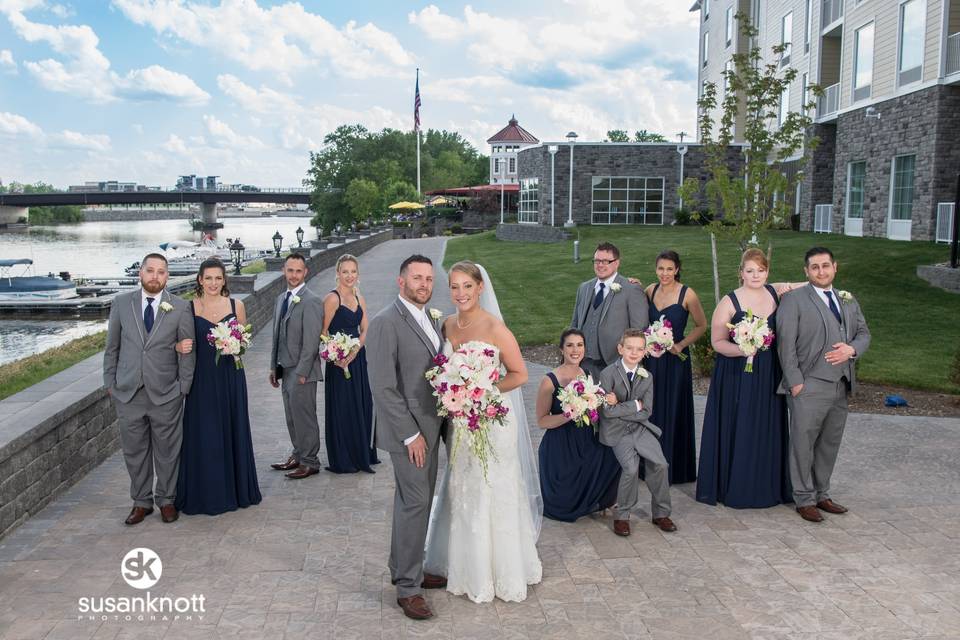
x=464, y=385
x=337, y=347
x=752, y=334
x=230, y=338
x=659, y=337
x=581, y=400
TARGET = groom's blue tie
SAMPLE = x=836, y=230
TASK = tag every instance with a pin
x=598, y=299
x=833, y=305
x=148, y=316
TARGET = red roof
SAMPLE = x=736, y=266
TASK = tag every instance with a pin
x=513, y=132
x=470, y=191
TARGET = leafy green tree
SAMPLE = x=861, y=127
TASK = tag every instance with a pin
x=399, y=191
x=618, y=135
x=363, y=198
x=45, y=215
x=647, y=136
x=741, y=197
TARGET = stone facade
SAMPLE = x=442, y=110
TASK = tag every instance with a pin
x=531, y=233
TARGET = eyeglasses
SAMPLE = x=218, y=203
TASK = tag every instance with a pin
x=604, y=263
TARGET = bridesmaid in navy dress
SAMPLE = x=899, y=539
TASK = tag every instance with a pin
x=217, y=469
x=348, y=404
x=578, y=475
x=673, y=377
x=744, y=444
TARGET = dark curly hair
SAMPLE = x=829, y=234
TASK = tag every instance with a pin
x=211, y=263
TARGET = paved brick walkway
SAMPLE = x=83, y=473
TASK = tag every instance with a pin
x=310, y=561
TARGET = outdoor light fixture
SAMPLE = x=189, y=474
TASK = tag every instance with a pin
x=277, y=242
x=236, y=252
x=299, y=237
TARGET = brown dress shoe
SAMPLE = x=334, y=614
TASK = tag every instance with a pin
x=810, y=513
x=621, y=527
x=431, y=581
x=137, y=514
x=290, y=464
x=830, y=506
x=302, y=472
x=168, y=513
x=665, y=524
x=415, y=607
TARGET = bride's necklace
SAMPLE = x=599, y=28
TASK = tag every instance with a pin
x=463, y=326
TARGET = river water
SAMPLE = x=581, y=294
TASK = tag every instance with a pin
x=104, y=249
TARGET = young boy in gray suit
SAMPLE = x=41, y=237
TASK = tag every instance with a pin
x=625, y=426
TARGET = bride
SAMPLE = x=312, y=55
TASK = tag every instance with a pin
x=483, y=533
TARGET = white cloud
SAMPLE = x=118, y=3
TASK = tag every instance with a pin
x=12, y=124
x=262, y=100
x=73, y=139
x=225, y=135
x=281, y=38
x=435, y=24
x=158, y=83
x=174, y=144
x=7, y=62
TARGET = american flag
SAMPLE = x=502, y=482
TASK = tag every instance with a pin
x=416, y=105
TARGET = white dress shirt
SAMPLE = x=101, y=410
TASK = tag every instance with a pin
x=427, y=325
x=606, y=285
x=296, y=289
x=823, y=296
x=156, y=302
x=634, y=372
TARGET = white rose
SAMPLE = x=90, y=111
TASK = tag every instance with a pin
x=643, y=373
x=295, y=299
x=166, y=306
x=845, y=296
x=436, y=314
x=615, y=287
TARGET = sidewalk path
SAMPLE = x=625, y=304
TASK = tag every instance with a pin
x=310, y=561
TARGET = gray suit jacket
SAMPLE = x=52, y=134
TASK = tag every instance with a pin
x=802, y=335
x=299, y=331
x=623, y=418
x=134, y=358
x=622, y=310
x=399, y=354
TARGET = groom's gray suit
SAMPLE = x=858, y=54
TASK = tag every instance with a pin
x=148, y=380
x=806, y=332
x=604, y=326
x=295, y=353
x=399, y=353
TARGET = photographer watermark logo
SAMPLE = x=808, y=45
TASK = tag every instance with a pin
x=141, y=568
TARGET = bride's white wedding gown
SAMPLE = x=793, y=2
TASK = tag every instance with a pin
x=482, y=536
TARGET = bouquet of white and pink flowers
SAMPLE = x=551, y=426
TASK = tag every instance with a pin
x=338, y=347
x=464, y=385
x=659, y=337
x=581, y=399
x=230, y=338
x=752, y=334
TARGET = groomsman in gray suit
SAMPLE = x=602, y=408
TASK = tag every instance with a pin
x=402, y=342
x=820, y=334
x=148, y=380
x=607, y=306
x=295, y=367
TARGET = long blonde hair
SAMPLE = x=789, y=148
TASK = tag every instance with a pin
x=346, y=257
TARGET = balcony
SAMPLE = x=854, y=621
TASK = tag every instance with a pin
x=829, y=102
x=831, y=11
x=953, y=54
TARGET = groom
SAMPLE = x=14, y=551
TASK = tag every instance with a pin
x=148, y=380
x=401, y=343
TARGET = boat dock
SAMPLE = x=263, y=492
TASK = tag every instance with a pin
x=95, y=305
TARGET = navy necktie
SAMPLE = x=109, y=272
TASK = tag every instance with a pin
x=148, y=316
x=833, y=306
x=598, y=299
x=284, y=307
x=630, y=375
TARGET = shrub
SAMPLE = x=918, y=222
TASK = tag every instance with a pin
x=681, y=217
x=457, y=228
x=703, y=356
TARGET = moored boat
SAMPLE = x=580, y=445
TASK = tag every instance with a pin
x=27, y=286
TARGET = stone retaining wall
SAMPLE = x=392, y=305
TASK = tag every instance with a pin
x=940, y=275
x=531, y=233
x=54, y=432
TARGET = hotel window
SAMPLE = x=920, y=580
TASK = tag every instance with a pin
x=910, y=55
x=728, y=69
x=729, y=23
x=627, y=200
x=496, y=166
x=901, y=204
x=786, y=37
x=784, y=106
x=862, y=62
x=805, y=93
x=856, y=177
x=807, y=21
x=513, y=166
x=528, y=210
x=706, y=47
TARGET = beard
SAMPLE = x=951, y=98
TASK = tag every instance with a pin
x=152, y=286
x=420, y=296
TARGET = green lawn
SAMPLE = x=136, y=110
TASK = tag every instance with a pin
x=536, y=285
x=17, y=376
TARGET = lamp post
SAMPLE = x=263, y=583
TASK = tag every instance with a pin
x=299, y=237
x=553, y=156
x=571, y=138
x=503, y=178
x=277, y=242
x=236, y=252
x=682, y=150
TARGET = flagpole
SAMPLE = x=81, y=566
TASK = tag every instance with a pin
x=417, y=128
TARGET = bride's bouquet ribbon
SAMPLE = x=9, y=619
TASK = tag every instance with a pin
x=752, y=334
x=230, y=338
x=338, y=347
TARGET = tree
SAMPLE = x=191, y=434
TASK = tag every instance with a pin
x=647, y=136
x=617, y=135
x=742, y=199
x=45, y=215
x=399, y=191
x=363, y=198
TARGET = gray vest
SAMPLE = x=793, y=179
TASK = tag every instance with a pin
x=823, y=370
x=591, y=332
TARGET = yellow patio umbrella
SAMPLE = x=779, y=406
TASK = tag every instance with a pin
x=406, y=205
x=441, y=200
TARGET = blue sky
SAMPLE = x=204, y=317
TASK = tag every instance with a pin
x=145, y=90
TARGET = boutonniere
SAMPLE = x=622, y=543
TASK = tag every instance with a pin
x=615, y=287
x=436, y=314
x=295, y=299
x=166, y=306
x=845, y=296
x=643, y=373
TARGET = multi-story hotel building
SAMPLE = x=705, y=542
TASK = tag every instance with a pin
x=889, y=119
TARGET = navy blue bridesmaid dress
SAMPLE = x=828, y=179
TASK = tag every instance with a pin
x=217, y=469
x=744, y=444
x=578, y=474
x=348, y=404
x=673, y=397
